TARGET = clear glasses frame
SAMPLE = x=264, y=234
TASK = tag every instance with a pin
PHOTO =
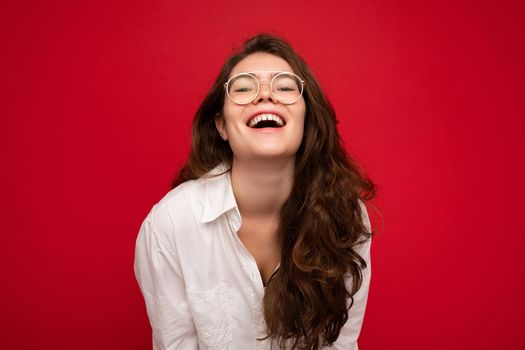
x=252, y=74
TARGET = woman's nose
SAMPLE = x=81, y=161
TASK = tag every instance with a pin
x=265, y=93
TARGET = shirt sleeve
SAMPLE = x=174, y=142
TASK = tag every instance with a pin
x=350, y=332
x=161, y=282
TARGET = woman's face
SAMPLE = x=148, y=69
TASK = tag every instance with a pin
x=249, y=142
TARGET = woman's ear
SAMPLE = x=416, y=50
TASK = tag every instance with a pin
x=220, y=124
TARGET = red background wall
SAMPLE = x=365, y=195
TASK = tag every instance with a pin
x=96, y=103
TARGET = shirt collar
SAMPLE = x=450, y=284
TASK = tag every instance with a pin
x=218, y=193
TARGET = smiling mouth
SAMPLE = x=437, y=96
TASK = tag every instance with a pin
x=266, y=121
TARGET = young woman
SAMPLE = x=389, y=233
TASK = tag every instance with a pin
x=265, y=241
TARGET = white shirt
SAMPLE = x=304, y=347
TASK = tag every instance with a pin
x=202, y=287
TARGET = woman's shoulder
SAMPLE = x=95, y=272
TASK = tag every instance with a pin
x=178, y=201
x=182, y=207
x=173, y=214
x=364, y=215
x=184, y=191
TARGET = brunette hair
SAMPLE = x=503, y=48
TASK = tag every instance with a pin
x=320, y=224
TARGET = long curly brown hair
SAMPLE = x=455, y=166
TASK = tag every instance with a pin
x=321, y=223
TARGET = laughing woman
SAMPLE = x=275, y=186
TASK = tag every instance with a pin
x=264, y=242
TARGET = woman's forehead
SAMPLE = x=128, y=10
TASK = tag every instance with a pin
x=262, y=64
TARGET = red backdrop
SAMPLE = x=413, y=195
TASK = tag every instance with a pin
x=97, y=100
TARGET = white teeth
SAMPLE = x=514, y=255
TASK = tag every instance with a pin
x=261, y=117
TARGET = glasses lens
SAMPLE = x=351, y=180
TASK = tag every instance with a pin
x=287, y=88
x=242, y=88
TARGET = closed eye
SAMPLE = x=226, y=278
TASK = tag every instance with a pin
x=243, y=90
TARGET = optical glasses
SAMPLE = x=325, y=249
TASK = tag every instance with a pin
x=285, y=87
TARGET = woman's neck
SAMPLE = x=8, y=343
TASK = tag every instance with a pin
x=262, y=187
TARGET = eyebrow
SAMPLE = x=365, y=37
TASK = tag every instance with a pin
x=256, y=73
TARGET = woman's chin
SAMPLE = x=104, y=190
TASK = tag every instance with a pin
x=267, y=155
